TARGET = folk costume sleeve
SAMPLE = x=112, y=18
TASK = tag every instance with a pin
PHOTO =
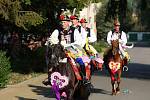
x=54, y=37
x=92, y=37
x=109, y=37
x=123, y=39
x=84, y=36
x=77, y=38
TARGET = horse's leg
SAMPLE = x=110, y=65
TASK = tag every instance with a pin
x=113, y=87
x=112, y=75
x=118, y=81
x=47, y=80
x=70, y=93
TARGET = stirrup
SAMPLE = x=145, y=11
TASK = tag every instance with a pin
x=125, y=68
x=85, y=81
x=46, y=82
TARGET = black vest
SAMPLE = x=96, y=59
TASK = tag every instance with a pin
x=113, y=31
x=69, y=32
x=87, y=30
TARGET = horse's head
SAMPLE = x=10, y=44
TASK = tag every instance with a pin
x=55, y=53
x=115, y=46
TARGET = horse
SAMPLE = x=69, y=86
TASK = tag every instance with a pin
x=114, y=63
x=62, y=76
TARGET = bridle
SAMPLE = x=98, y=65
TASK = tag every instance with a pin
x=115, y=47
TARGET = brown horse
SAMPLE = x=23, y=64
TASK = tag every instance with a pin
x=114, y=63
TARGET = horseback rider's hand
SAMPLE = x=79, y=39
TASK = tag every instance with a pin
x=120, y=41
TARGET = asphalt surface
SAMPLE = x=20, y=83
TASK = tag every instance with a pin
x=135, y=84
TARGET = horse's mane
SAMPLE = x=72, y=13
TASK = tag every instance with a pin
x=115, y=46
x=55, y=53
x=110, y=52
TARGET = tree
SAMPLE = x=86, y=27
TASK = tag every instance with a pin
x=103, y=24
x=12, y=12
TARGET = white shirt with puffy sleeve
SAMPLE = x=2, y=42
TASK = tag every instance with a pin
x=113, y=36
x=53, y=39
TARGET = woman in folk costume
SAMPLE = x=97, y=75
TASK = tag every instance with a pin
x=89, y=37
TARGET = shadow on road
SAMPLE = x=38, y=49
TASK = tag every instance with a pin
x=101, y=91
x=136, y=70
x=22, y=98
x=44, y=91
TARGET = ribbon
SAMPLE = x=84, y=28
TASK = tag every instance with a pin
x=55, y=87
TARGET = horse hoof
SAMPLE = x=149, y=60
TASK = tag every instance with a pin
x=117, y=90
x=113, y=92
x=46, y=82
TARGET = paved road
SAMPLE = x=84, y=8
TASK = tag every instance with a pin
x=135, y=83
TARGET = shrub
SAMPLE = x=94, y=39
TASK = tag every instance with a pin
x=99, y=46
x=5, y=69
x=39, y=59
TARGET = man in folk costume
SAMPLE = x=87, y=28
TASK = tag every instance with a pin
x=90, y=37
x=121, y=35
x=66, y=36
x=76, y=25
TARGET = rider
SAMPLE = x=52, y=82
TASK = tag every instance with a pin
x=90, y=37
x=68, y=37
x=75, y=23
x=121, y=35
x=65, y=35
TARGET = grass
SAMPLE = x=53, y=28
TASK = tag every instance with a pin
x=17, y=77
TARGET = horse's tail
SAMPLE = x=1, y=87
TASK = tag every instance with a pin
x=130, y=47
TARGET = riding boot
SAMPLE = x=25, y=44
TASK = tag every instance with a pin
x=83, y=73
x=46, y=82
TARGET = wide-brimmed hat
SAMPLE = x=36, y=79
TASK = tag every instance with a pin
x=64, y=18
x=83, y=20
x=72, y=17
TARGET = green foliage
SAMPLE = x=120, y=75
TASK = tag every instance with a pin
x=103, y=25
x=27, y=19
x=27, y=2
x=39, y=58
x=5, y=69
x=28, y=61
x=100, y=45
x=11, y=11
x=5, y=7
